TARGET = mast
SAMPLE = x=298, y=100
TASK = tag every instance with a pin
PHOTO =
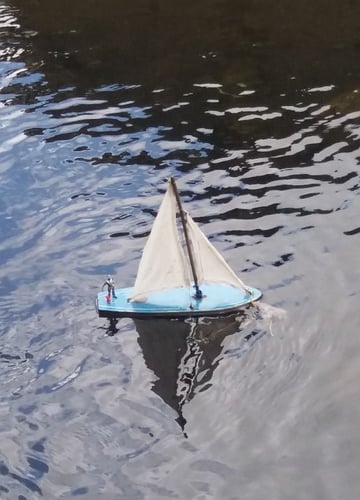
x=198, y=292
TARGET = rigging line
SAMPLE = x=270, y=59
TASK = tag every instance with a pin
x=198, y=293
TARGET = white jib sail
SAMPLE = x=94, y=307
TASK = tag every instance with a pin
x=211, y=266
x=163, y=263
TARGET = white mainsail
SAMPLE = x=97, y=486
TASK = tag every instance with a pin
x=164, y=264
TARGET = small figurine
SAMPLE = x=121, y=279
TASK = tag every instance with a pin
x=109, y=282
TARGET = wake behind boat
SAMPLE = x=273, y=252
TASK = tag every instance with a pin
x=180, y=273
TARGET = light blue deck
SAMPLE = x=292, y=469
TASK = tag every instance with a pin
x=218, y=299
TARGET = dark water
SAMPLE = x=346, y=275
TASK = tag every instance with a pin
x=255, y=109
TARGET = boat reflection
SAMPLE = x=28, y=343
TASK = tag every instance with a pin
x=183, y=355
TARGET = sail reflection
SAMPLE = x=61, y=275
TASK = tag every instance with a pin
x=183, y=355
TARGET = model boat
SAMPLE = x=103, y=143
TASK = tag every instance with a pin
x=180, y=273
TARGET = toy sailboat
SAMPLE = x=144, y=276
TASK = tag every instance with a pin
x=180, y=273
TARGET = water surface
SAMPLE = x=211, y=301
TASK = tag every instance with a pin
x=255, y=110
